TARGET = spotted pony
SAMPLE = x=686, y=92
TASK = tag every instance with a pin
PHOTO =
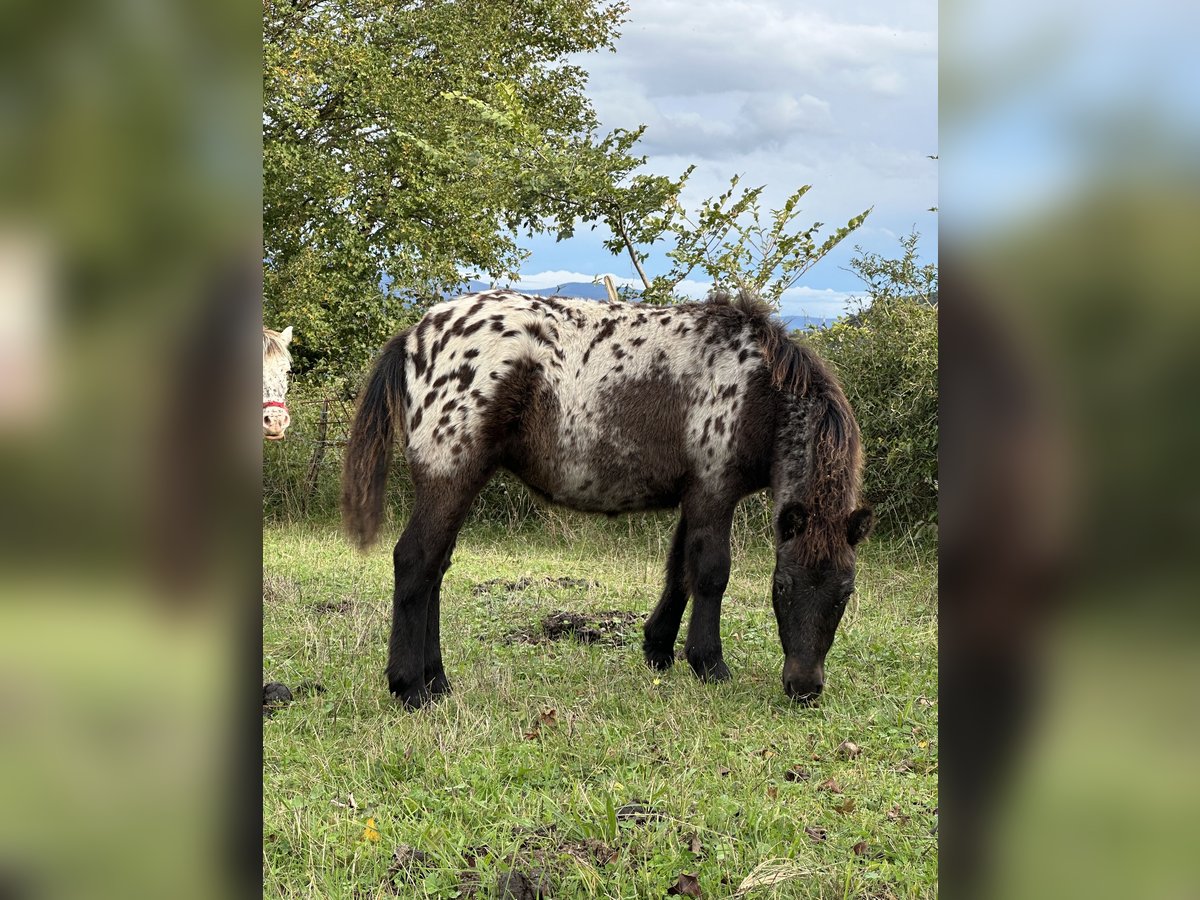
x=277, y=362
x=615, y=407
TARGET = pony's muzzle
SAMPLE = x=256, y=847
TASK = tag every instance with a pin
x=803, y=684
x=275, y=422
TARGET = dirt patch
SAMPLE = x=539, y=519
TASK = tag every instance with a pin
x=527, y=874
x=523, y=584
x=614, y=626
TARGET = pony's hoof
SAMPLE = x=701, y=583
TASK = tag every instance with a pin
x=413, y=697
x=710, y=669
x=658, y=658
x=439, y=684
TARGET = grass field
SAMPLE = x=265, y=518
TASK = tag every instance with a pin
x=572, y=763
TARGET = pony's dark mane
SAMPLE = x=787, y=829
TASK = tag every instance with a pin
x=834, y=443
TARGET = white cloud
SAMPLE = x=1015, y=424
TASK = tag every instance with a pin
x=842, y=96
x=807, y=301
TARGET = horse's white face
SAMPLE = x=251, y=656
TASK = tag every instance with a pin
x=277, y=362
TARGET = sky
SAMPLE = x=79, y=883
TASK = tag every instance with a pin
x=842, y=96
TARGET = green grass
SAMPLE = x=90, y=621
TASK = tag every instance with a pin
x=474, y=784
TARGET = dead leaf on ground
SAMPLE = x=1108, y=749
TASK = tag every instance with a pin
x=829, y=785
x=370, y=833
x=895, y=815
x=549, y=716
x=860, y=849
x=765, y=753
x=722, y=771
x=694, y=847
x=535, y=732
x=685, y=886
x=768, y=873
x=849, y=749
x=797, y=773
x=905, y=765
x=772, y=791
x=846, y=806
x=816, y=832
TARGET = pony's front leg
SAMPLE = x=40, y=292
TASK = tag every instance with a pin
x=708, y=574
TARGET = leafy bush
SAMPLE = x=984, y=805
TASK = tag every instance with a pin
x=886, y=356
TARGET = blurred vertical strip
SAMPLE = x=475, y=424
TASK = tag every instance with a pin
x=1070, y=205
x=130, y=288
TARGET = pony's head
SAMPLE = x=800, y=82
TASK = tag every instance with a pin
x=277, y=362
x=810, y=592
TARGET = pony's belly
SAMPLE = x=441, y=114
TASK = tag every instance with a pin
x=615, y=489
x=619, y=488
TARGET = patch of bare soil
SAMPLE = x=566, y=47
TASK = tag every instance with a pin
x=522, y=584
x=527, y=874
x=614, y=626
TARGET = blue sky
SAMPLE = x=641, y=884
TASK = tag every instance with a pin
x=842, y=96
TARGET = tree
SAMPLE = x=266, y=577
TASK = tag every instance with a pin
x=380, y=160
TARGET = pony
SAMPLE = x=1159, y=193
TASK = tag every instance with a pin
x=277, y=362
x=611, y=408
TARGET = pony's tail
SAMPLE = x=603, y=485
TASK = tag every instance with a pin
x=378, y=423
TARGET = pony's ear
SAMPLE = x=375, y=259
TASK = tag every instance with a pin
x=791, y=521
x=286, y=335
x=858, y=526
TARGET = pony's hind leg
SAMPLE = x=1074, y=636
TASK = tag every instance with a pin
x=662, y=627
x=421, y=557
x=707, y=563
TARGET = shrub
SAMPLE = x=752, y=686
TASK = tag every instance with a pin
x=886, y=356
